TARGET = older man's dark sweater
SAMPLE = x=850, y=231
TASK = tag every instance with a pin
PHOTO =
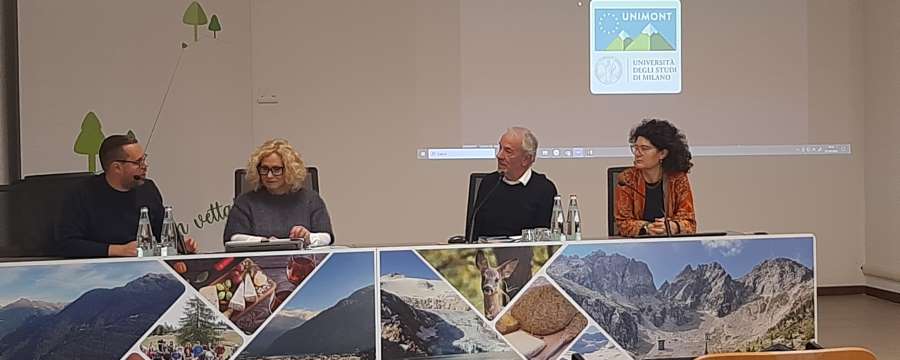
x=511, y=208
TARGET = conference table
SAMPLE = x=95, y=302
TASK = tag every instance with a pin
x=660, y=298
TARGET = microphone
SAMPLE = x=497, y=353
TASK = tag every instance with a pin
x=622, y=182
x=140, y=178
x=162, y=105
x=165, y=96
x=470, y=236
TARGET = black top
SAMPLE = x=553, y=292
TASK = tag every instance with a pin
x=95, y=215
x=263, y=214
x=653, y=205
x=512, y=208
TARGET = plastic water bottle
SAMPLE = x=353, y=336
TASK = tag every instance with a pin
x=145, y=240
x=558, y=221
x=573, y=226
x=169, y=235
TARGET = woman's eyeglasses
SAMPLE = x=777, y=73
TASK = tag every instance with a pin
x=265, y=170
x=641, y=149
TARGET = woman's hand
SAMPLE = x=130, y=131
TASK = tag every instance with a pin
x=658, y=227
x=300, y=233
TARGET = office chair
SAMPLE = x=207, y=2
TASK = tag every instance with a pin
x=475, y=180
x=612, y=176
x=36, y=208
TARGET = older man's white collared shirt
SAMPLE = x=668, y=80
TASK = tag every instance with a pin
x=522, y=180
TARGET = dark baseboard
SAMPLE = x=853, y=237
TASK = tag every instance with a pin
x=883, y=294
x=859, y=290
x=841, y=290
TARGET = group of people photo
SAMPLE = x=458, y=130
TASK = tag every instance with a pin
x=170, y=351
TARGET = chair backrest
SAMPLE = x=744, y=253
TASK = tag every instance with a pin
x=474, y=184
x=241, y=185
x=849, y=353
x=612, y=176
x=36, y=207
x=6, y=244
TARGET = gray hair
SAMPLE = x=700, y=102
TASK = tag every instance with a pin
x=529, y=141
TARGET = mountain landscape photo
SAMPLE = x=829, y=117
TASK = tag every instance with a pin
x=593, y=345
x=331, y=317
x=702, y=308
x=22, y=310
x=100, y=323
x=346, y=328
x=280, y=324
x=422, y=316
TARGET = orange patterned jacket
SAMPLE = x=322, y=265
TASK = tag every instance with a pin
x=630, y=208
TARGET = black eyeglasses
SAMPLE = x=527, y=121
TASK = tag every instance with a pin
x=142, y=162
x=264, y=170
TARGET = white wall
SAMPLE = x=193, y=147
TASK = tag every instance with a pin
x=344, y=96
x=882, y=171
x=528, y=62
x=116, y=58
x=345, y=103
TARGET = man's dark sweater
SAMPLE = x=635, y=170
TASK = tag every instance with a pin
x=512, y=208
x=96, y=215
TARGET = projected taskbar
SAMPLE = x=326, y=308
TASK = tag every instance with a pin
x=489, y=151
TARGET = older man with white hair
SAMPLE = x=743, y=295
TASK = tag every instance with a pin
x=515, y=197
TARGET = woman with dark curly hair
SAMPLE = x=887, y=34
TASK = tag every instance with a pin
x=657, y=187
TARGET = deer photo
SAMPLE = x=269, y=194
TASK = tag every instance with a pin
x=493, y=285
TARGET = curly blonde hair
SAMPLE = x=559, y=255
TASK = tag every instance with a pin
x=294, y=168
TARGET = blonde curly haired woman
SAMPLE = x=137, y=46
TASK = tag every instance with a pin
x=279, y=206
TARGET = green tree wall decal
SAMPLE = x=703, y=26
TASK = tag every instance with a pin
x=194, y=16
x=89, y=139
x=214, y=25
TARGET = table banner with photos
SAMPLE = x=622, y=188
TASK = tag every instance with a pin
x=601, y=299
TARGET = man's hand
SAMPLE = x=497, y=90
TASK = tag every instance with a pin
x=300, y=233
x=129, y=249
x=190, y=246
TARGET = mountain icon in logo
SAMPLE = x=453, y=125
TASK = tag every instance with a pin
x=620, y=43
x=649, y=39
